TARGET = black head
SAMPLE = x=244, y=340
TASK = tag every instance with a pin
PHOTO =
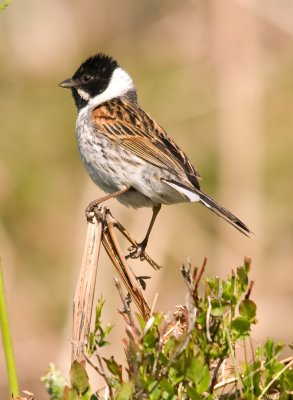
x=93, y=78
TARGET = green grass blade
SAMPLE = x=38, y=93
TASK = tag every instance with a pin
x=7, y=341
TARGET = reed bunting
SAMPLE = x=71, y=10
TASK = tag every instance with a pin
x=126, y=153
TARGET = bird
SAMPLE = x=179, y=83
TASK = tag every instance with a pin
x=126, y=152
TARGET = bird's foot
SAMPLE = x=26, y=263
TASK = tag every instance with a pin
x=137, y=251
x=91, y=209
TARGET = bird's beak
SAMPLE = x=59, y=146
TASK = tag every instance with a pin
x=68, y=83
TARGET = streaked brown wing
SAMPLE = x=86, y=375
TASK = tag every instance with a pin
x=145, y=149
x=129, y=126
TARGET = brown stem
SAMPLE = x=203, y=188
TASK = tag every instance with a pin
x=84, y=292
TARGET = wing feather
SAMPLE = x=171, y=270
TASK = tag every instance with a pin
x=125, y=123
x=145, y=149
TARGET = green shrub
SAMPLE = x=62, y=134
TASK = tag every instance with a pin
x=190, y=353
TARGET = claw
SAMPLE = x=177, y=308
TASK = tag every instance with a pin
x=91, y=209
x=137, y=251
x=89, y=215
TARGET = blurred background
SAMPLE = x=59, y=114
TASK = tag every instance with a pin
x=218, y=76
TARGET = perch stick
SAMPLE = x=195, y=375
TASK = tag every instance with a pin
x=84, y=292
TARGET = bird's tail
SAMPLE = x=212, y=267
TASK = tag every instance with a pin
x=196, y=195
x=224, y=213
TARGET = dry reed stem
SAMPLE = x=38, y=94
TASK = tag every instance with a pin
x=85, y=288
x=127, y=276
x=127, y=235
x=101, y=230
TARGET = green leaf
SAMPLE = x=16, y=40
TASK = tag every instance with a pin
x=268, y=348
x=228, y=293
x=271, y=350
x=125, y=392
x=217, y=308
x=113, y=367
x=193, y=370
x=240, y=327
x=176, y=375
x=140, y=320
x=99, y=309
x=155, y=394
x=199, y=374
x=108, y=329
x=212, y=284
x=252, y=379
x=79, y=378
x=152, y=385
x=167, y=388
x=247, y=309
x=192, y=394
x=242, y=275
x=288, y=379
x=97, y=338
x=246, y=265
x=70, y=394
x=170, y=345
x=204, y=381
x=149, y=340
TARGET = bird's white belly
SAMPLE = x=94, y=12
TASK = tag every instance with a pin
x=112, y=168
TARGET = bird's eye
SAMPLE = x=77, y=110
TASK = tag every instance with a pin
x=86, y=78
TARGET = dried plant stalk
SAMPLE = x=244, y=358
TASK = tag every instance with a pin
x=84, y=292
x=101, y=229
x=128, y=278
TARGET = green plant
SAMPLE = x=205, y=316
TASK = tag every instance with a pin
x=7, y=340
x=4, y=4
x=192, y=352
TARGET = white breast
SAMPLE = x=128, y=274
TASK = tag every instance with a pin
x=112, y=168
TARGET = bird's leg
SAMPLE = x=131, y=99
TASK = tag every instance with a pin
x=93, y=204
x=136, y=252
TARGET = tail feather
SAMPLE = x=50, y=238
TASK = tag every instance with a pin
x=224, y=213
x=196, y=195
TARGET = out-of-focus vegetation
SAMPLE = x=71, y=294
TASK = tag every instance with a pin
x=218, y=77
x=4, y=4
